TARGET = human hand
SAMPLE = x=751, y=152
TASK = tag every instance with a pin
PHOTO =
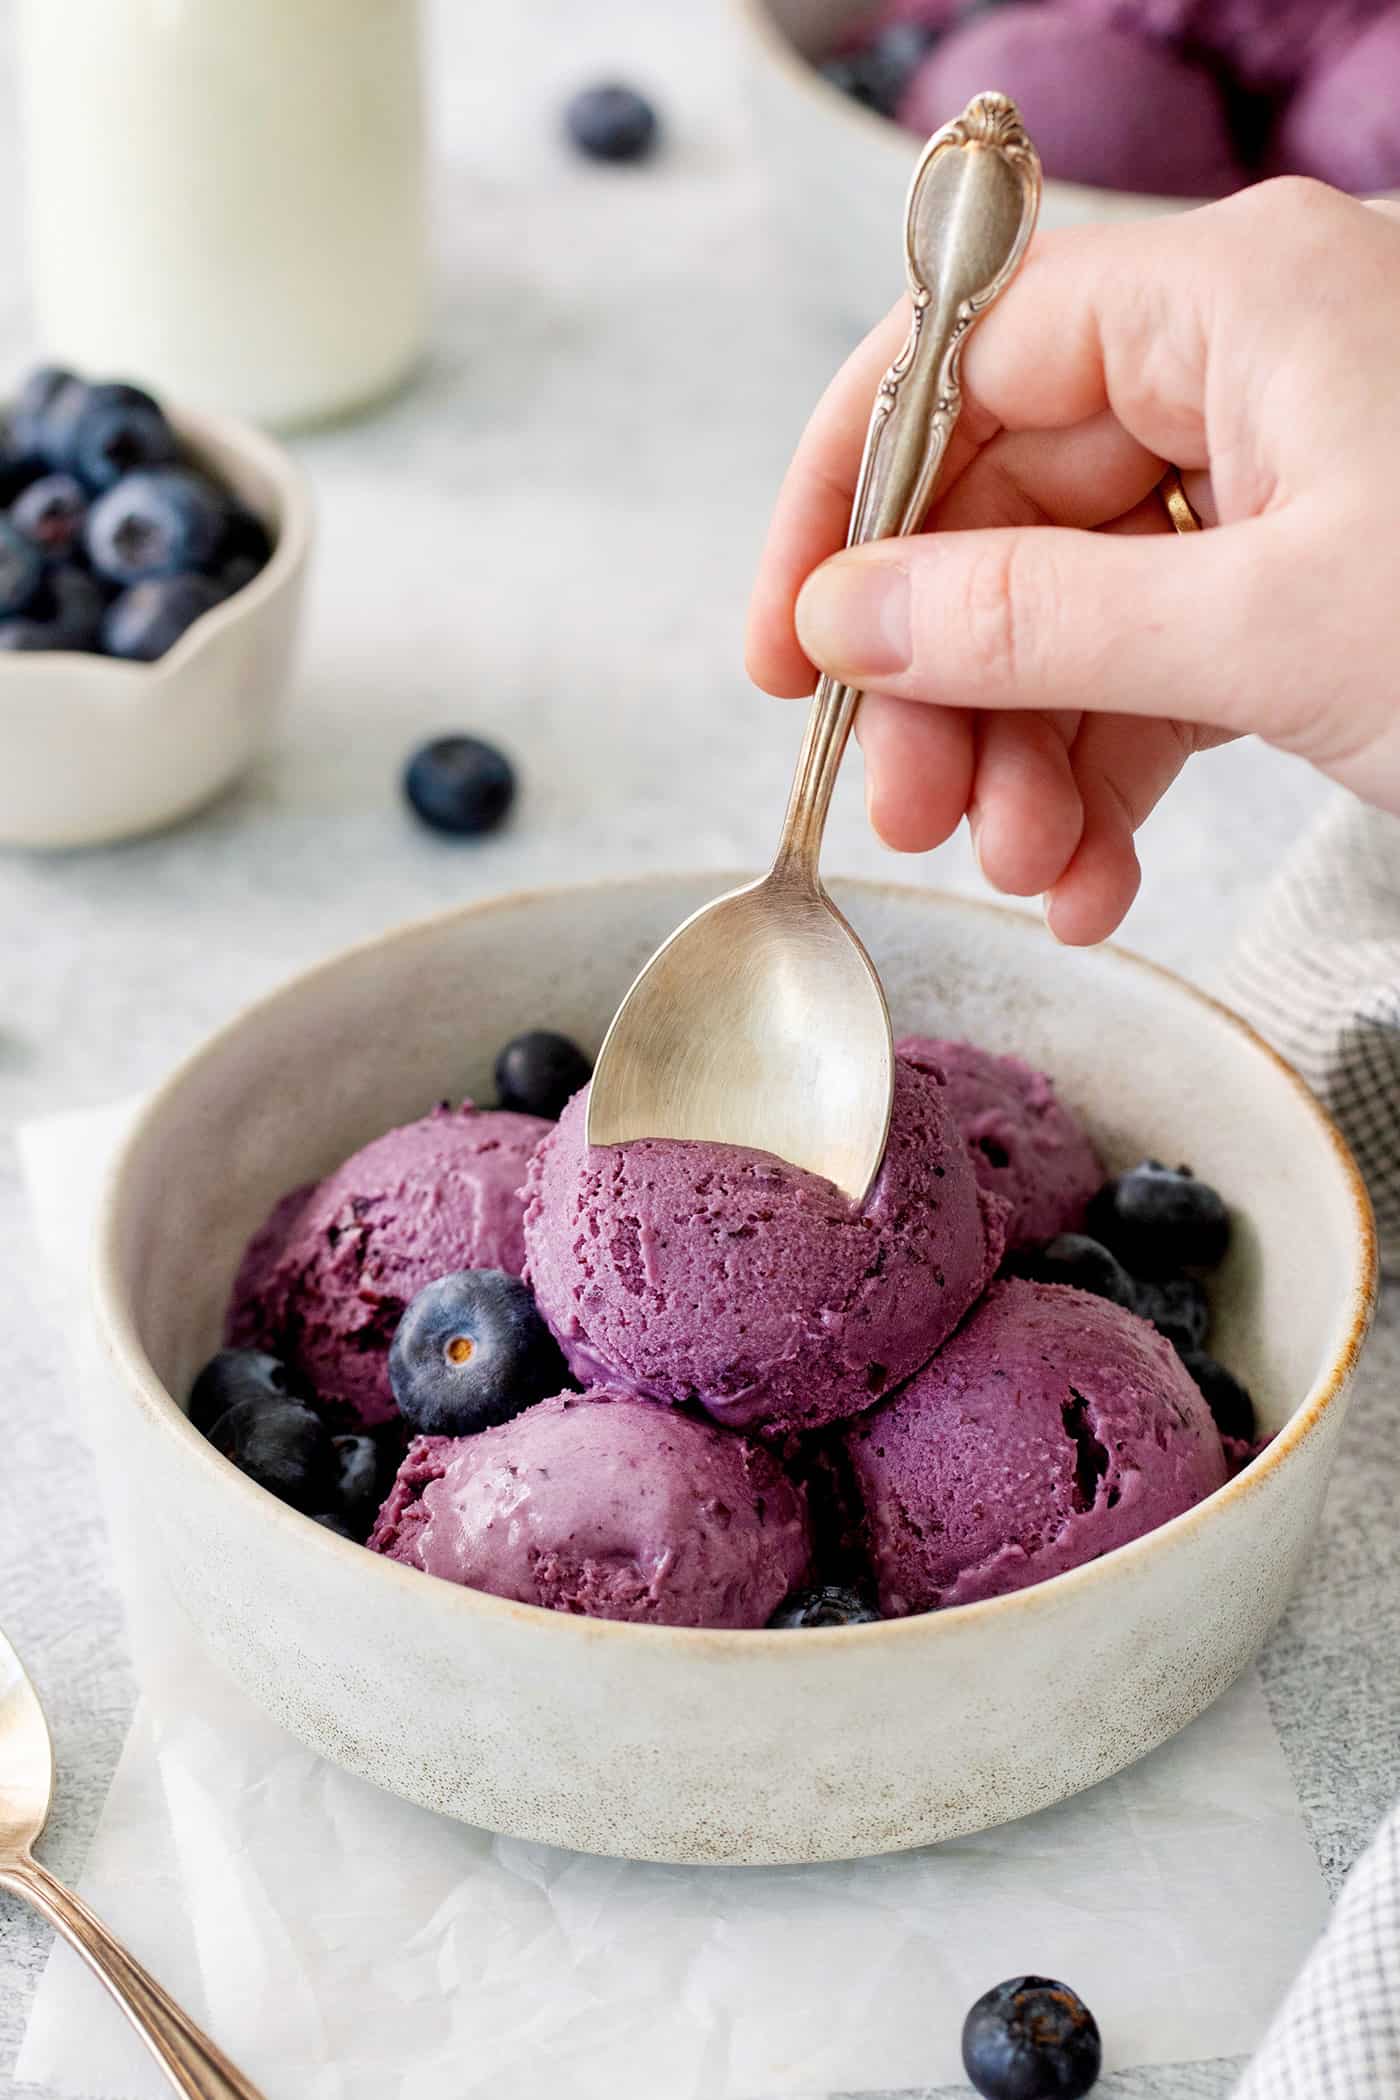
x=1050, y=684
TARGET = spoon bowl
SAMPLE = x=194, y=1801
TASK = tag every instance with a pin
x=762, y=1021
x=795, y=1012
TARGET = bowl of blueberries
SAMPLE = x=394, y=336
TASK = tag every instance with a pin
x=151, y=569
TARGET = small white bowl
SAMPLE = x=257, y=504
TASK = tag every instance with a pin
x=840, y=172
x=681, y=1744
x=94, y=749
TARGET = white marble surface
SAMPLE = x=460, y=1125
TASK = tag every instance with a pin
x=548, y=539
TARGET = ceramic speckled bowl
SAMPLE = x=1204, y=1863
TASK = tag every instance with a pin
x=745, y=1747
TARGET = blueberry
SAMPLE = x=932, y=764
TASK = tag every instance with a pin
x=1073, y=1258
x=51, y=514
x=244, y=550
x=283, y=1447
x=74, y=602
x=892, y=60
x=1159, y=1220
x=21, y=571
x=850, y=77
x=829, y=1604
x=1178, y=1307
x=45, y=415
x=329, y=1521
x=151, y=617
x=118, y=429
x=233, y=1376
x=540, y=1072
x=877, y=75
x=460, y=785
x=158, y=522
x=611, y=122
x=1031, y=2039
x=24, y=636
x=1227, y=1399
x=362, y=1480
x=65, y=614
x=17, y=469
x=471, y=1350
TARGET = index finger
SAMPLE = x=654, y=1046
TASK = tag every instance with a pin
x=1061, y=347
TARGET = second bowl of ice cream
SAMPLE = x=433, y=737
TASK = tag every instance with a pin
x=670, y=1728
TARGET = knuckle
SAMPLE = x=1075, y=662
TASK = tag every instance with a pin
x=1295, y=212
x=995, y=616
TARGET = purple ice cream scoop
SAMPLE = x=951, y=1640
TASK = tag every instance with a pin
x=711, y=1273
x=605, y=1505
x=1343, y=125
x=1267, y=45
x=1025, y=1144
x=1050, y=1429
x=1104, y=107
x=324, y=1283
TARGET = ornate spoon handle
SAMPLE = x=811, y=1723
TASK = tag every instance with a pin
x=971, y=211
x=188, y=2058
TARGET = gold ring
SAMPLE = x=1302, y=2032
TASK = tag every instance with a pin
x=1178, y=504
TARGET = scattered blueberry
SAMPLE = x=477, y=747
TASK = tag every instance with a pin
x=1084, y=1264
x=160, y=521
x=470, y=1351
x=362, y=1481
x=829, y=1604
x=118, y=429
x=1159, y=1220
x=540, y=1072
x=1227, y=1399
x=244, y=549
x=21, y=571
x=1031, y=2039
x=283, y=1447
x=330, y=1522
x=1178, y=1307
x=233, y=1376
x=611, y=122
x=151, y=617
x=51, y=513
x=460, y=785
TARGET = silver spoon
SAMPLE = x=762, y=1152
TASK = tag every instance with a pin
x=189, y=2059
x=761, y=1021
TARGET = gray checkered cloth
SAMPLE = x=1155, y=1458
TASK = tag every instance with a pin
x=1318, y=973
x=1337, y=2036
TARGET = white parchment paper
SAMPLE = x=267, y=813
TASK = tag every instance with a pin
x=344, y=1946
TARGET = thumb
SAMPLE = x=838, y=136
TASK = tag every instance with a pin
x=1189, y=627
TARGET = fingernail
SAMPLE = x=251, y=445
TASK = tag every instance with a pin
x=853, y=617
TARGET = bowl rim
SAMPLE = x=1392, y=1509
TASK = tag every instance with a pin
x=756, y=20
x=117, y=1328
x=198, y=427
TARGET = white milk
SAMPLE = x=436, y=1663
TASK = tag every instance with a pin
x=226, y=196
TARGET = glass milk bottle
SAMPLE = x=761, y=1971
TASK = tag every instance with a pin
x=226, y=197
